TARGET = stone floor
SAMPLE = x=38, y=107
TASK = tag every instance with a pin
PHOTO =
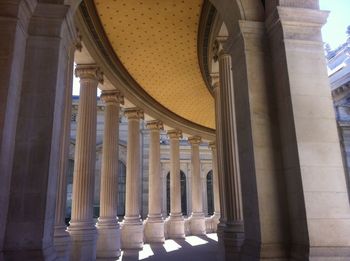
x=193, y=248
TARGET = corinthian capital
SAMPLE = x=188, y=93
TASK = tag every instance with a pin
x=133, y=113
x=154, y=125
x=194, y=140
x=89, y=71
x=112, y=97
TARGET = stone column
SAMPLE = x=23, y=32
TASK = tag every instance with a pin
x=15, y=18
x=196, y=220
x=316, y=189
x=154, y=225
x=62, y=240
x=216, y=215
x=108, y=242
x=218, y=127
x=234, y=229
x=265, y=232
x=34, y=71
x=82, y=226
x=175, y=222
x=132, y=227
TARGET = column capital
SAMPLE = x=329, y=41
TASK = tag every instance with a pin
x=174, y=134
x=218, y=48
x=194, y=140
x=154, y=125
x=89, y=71
x=113, y=97
x=133, y=113
x=215, y=80
x=212, y=145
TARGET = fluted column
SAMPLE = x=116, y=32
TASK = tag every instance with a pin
x=234, y=229
x=197, y=220
x=154, y=225
x=82, y=226
x=108, y=242
x=218, y=119
x=62, y=240
x=216, y=215
x=175, y=223
x=132, y=227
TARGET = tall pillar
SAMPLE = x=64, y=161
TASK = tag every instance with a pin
x=216, y=215
x=33, y=87
x=132, y=227
x=318, y=203
x=108, y=241
x=176, y=222
x=82, y=226
x=154, y=225
x=265, y=233
x=234, y=230
x=62, y=240
x=218, y=127
x=196, y=220
x=13, y=31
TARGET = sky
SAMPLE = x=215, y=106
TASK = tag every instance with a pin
x=334, y=32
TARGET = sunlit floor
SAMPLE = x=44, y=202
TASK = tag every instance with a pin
x=193, y=248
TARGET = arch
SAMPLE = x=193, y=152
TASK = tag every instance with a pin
x=183, y=193
x=233, y=10
x=121, y=189
x=210, y=192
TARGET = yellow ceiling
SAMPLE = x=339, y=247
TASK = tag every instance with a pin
x=156, y=40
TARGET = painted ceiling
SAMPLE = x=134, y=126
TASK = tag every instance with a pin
x=156, y=40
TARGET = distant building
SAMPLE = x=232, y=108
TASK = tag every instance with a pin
x=339, y=77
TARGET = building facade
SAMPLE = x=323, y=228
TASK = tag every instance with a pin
x=247, y=77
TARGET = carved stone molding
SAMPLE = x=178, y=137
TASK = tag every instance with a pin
x=89, y=71
x=112, y=97
x=194, y=140
x=174, y=134
x=212, y=145
x=133, y=113
x=154, y=125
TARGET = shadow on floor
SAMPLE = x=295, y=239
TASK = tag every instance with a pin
x=192, y=248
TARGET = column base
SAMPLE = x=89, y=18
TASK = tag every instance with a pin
x=47, y=254
x=62, y=242
x=175, y=225
x=83, y=235
x=211, y=223
x=303, y=252
x=197, y=224
x=108, y=241
x=154, y=229
x=232, y=239
x=256, y=251
x=132, y=233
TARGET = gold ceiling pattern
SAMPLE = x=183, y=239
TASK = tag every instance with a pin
x=156, y=40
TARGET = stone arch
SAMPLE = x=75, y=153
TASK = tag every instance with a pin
x=121, y=188
x=183, y=184
x=210, y=192
x=233, y=10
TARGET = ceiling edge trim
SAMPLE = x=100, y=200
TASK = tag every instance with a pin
x=102, y=52
x=206, y=20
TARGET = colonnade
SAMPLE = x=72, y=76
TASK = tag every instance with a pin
x=105, y=239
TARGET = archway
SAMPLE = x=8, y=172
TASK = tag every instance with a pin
x=121, y=189
x=210, y=193
x=183, y=193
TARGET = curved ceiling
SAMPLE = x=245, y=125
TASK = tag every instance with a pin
x=156, y=40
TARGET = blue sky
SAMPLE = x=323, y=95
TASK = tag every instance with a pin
x=334, y=32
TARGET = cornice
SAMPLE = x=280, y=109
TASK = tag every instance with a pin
x=100, y=49
x=203, y=43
